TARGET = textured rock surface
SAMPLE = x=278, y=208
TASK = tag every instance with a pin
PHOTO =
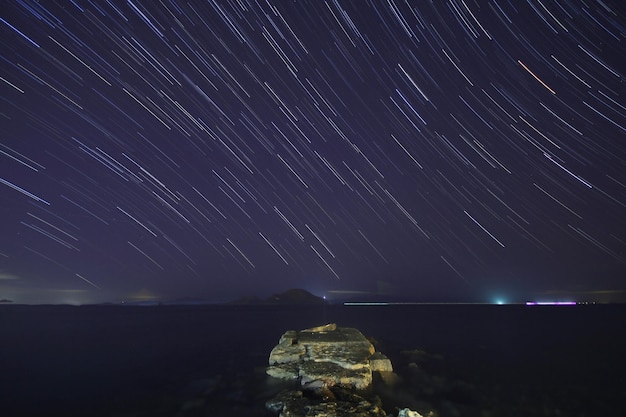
x=333, y=402
x=331, y=363
x=380, y=363
x=326, y=356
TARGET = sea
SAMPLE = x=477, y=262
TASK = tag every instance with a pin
x=209, y=360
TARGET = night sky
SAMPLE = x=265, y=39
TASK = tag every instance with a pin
x=437, y=150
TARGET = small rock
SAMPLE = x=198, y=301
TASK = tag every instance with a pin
x=406, y=412
x=380, y=363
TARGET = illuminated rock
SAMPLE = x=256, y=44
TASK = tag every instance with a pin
x=330, y=363
x=380, y=363
x=406, y=412
x=329, y=354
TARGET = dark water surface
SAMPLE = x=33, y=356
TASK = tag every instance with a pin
x=464, y=360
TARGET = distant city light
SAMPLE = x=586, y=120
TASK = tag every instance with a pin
x=368, y=303
x=550, y=303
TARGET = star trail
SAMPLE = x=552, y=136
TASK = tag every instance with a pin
x=218, y=148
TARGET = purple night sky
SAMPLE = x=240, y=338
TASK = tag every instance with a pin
x=443, y=150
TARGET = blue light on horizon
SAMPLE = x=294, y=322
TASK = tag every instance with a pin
x=550, y=303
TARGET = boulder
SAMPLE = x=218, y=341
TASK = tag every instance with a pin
x=380, y=363
x=331, y=365
x=328, y=354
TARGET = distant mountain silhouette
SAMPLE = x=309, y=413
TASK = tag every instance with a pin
x=295, y=296
x=4, y=300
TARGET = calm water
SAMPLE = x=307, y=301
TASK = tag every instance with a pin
x=457, y=360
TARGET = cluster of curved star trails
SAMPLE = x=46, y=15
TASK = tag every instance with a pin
x=208, y=147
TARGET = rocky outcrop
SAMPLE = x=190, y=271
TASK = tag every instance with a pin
x=332, y=365
x=327, y=356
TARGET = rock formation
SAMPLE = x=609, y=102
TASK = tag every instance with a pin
x=327, y=356
x=330, y=363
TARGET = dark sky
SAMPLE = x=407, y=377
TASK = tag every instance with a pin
x=431, y=150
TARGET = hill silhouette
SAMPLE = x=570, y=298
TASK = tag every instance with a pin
x=295, y=296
